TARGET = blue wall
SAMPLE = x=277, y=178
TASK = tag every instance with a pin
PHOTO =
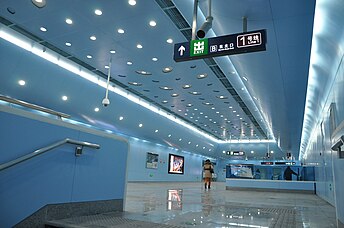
x=57, y=176
x=329, y=168
x=137, y=170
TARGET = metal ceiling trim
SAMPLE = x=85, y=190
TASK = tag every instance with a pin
x=177, y=18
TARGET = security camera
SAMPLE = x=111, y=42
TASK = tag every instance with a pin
x=106, y=102
x=205, y=27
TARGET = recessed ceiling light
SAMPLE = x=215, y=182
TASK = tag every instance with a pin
x=189, y=142
x=132, y=2
x=140, y=125
x=129, y=63
x=121, y=118
x=21, y=82
x=165, y=88
x=209, y=149
x=180, y=139
x=186, y=86
x=107, y=67
x=238, y=115
x=195, y=109
x=152, y=23
x=121, y=31
x=98, y=12
x=213, y=108
x=217, y=112
x=201, y=76
x=224, y=151
x=222, y=97
x=64, y=98
x=89, y=56
x=93, y=38
x=230, y=107
x=164, y=102
x=167, y=69
x=242, y=88
x=169, y=135
x=43, y=29
x=156, y=130
x=170, y=41
x=96, y=109
x=245, y=78
x=69, y=21
x=189, y=105
x=195, y=93
x=39, y=3
x=112, y=51
x=201, y=113
x=155, y=59
x=234, y=111
x=252, y=152
x=139, y=46
x=174, y=95
x=272, y=152
x=196, y=145
x=135, y=83
x=68, y=44
x=142, y=72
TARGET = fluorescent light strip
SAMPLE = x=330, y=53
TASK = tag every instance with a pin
x=43, y=52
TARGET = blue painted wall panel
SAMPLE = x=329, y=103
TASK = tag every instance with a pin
x=57, y=176
x=103, y=170
x=329, y=168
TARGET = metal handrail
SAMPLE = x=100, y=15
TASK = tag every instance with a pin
x=33, y=106
x=46, y=149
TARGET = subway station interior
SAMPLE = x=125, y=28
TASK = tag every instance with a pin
x=109, y=111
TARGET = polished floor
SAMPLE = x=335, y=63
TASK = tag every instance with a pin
x=167, y=205
x=190, y=205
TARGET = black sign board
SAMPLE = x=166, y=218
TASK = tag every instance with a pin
x=267, y=163
x=236, y=153
x=285, y=163
x=218, y=46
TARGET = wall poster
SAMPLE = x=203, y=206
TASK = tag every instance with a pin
x=152, y=160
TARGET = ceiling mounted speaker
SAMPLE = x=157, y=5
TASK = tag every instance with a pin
x=39, y=3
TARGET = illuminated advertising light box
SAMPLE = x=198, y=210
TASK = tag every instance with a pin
x=175, y=164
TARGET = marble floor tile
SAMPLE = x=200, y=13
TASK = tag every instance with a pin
x=188, y=204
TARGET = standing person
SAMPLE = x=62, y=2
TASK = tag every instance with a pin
x=288, y=172
x=208, y=173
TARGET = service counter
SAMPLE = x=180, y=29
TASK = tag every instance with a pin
x=271, y=185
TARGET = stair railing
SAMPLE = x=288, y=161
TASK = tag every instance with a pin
x=78, y=151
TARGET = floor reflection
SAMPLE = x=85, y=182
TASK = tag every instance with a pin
x=174, y=199
x=188, y=204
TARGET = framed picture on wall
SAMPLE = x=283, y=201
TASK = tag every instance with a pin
x=152, y=160
x=175, y=164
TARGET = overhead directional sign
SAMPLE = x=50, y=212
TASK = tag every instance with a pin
x=218, y=46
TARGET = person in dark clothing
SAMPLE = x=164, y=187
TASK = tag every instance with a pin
x=288, y=173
